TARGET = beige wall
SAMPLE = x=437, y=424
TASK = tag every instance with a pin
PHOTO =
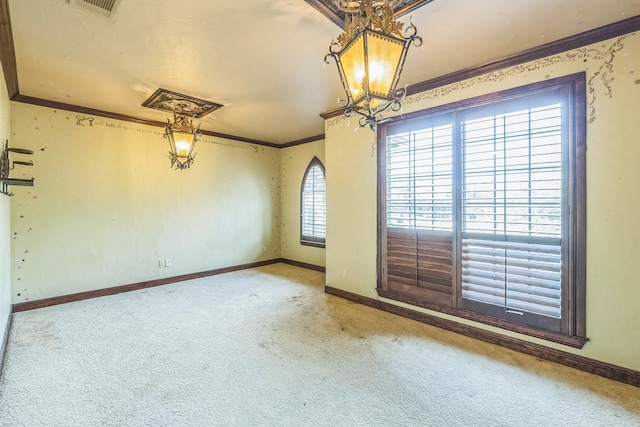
x=294, y=162
x=5, y=239
x=613, y=199
x=106, y=207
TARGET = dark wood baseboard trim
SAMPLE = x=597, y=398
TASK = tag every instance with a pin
x=592, y=366
x=370, y=302
x=63, y=299
x=571, y=341
x=46, y=302
x=303, y=265
x=5, y=341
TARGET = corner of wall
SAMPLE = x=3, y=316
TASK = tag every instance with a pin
x=293, y=163
x=5, y=228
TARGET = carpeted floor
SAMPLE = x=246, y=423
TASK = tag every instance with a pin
x=266, y=347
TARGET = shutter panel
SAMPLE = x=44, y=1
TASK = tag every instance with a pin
x=517, y=276
x=420, y=266
x=313, y=218
x=511, y=213
x=482, y=209
x=419, y=212
x=435, y=263
x=401, y=259
x=420, y=179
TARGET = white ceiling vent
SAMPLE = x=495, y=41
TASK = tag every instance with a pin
x=103, y=7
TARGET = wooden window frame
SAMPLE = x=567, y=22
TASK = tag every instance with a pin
x=313, y=241
x=575, y=291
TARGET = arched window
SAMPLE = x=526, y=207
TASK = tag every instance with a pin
x=313, y=206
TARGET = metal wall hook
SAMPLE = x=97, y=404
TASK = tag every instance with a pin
x=6, y=165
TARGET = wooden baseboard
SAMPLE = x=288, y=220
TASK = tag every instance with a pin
x=5, y=341
x=592, y=366
x=46, y=302
x=303, y=265
x=63, y=299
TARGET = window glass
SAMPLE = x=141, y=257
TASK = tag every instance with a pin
x=475, y=201
x=313, y=204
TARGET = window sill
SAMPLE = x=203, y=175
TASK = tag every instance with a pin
x=557, y=337
x=312, y=243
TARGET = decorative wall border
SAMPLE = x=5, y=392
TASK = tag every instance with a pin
x=116, y=116
x=581, y=54
x=617, y=29
x=8, y=60
x=592, y=366
x=109, y=115
x=575, y=43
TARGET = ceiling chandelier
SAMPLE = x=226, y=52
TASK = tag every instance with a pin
x=182, y=138
x=370, y=55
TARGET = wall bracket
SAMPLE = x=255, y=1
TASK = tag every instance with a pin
x=6, y=165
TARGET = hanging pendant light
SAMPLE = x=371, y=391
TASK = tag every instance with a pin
x=370, y=55
x=182, y=138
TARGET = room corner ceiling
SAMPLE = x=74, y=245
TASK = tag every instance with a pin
x=262, y=60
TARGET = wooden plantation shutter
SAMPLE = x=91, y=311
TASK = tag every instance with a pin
x=516, y=276
x=419, y=214
x=313, y=204
x=482, y=209
x=512, y=214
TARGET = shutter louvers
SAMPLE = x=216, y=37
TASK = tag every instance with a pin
x=512, y=204
x=420, y=215
x=313, y=219
x=482, y=212
x=516, y=276
x=420, y=265
x=435, y=264
x=401, y=259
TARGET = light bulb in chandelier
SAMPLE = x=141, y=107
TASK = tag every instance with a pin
x=370, y=55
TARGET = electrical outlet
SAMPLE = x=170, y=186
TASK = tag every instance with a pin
x=167, y=262
x=161, y=263
x=345, y=273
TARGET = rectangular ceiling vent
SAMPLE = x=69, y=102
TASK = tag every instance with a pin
x=103, y=7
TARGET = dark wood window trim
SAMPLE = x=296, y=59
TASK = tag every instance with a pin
x=574, y=330
x=314, y=244
x=309, y=240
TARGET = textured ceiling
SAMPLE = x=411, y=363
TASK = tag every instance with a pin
x=263, y=60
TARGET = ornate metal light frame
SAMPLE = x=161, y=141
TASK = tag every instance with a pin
x=370, y=55
x=182, y=136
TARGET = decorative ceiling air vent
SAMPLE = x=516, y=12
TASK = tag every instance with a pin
x=103, y=7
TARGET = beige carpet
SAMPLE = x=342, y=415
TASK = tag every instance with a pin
x=266, y=347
